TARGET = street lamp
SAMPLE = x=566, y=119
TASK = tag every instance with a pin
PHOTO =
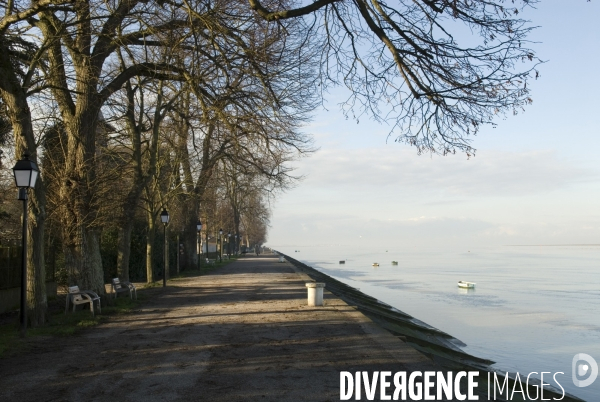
x=198, y=249
x=221, y=245
x=26, y=173
x=164, y=218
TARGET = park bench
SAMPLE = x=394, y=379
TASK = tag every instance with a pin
x=76, y=297
x=117, y=287
x=210, y=262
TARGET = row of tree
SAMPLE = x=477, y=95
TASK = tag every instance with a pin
x=129, y=106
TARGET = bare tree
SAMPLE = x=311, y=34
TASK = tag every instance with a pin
x=219, y=45
x=435, y=70
x=244, y=106
x=19, y=78
x=143, y=110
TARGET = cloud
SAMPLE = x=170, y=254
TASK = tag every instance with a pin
x=493, y=173
x=392, y=196
x=344, y=229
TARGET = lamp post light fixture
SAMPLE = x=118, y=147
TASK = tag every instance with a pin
x=26, y=173
x=164, y=218
x=198, y=249
x=221, y=245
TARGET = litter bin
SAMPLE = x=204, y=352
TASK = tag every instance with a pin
x=315, y=293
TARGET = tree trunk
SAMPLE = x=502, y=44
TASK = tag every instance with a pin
x=81, y=240
x=190, y=235
x=82, y=259
x=124, y=249
x=126, y=227
x=149, y=243
x=37, y=301
x=140, y=181
x=51, y=261
x=236, y=229
x=15, y=99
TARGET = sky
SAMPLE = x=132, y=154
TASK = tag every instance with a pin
x=535, y=178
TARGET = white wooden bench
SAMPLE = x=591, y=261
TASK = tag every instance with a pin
x=117, y=287
x=210, y=262
x=76, y=297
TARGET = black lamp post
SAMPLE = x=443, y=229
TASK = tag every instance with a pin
x=198, y=249
x=26, y=173
x=221, y=245
x=164, y=218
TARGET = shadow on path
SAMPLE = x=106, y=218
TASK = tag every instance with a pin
x=241, y=333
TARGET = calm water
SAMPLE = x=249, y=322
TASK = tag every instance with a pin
x=533, y=308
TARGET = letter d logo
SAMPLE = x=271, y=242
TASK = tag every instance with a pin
x=581, y=369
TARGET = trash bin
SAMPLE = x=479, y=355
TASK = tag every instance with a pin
x=281, y=259
x=315, y=293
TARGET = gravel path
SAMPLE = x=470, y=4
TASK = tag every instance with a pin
x=241, y=333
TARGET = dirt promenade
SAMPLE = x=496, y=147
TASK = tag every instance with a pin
x=241, y=333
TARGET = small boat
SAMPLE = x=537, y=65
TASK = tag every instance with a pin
x=394, y=262
x=375, y=264
x=342, y=261
x=466, y=285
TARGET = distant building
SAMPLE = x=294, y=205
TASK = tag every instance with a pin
x=212, y=247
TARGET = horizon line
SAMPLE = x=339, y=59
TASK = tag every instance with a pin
x=552, y=245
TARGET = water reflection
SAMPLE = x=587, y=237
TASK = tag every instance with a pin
x=464, y=291
x=537, y=309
